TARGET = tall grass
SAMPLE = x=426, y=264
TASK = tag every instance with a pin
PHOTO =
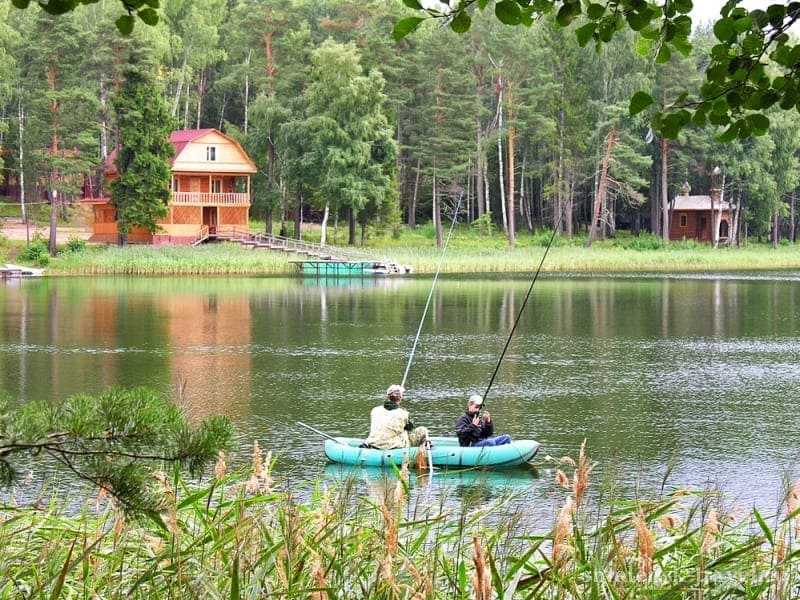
x=210, y=259
x=238, y=537
x=469, y=252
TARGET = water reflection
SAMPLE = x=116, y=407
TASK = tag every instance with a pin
x=704, y=369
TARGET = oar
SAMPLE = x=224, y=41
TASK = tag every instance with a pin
x=318, y=432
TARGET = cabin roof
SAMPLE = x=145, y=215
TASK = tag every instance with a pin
x=179, y=139
x=698, y=203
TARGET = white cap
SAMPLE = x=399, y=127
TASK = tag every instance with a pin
x=476, y=399
x=395, y=389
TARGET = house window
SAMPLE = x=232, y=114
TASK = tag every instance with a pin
x=211, y=153
x=683, y=219
x=174, y=184
x=216, y=186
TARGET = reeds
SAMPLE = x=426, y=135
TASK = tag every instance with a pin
x=224, y=540
x=467, y=253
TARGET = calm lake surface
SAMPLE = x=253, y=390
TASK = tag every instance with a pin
x=699, y=372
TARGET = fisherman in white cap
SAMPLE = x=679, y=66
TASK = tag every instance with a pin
x=390, y=426
x=474, y=429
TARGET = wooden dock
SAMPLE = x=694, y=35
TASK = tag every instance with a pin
x=9, y=271
x=322, y=261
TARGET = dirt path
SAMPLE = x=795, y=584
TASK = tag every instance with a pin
x=15, y=230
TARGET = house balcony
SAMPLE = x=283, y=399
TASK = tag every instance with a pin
x=210, y=199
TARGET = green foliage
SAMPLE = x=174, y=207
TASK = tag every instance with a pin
x=75, y=245
x=237, y=536
x=752, y=67
x=484, y=224
x=112, y=440
x=144, y=9
x=36, y=252
x=142, y=190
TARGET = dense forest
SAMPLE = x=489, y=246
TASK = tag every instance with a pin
x=520, y=127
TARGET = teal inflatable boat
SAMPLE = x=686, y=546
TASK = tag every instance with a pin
x=445, y=453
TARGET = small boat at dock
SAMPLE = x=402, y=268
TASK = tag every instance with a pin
x=445, y=452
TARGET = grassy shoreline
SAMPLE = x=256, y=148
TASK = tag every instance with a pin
x=469, y=253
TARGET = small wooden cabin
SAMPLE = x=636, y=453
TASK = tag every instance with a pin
x=210, y=189
x=693, y=219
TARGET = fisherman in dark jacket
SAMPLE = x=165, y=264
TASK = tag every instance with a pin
x=473, y=429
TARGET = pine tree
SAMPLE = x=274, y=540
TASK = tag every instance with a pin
x=142, y=190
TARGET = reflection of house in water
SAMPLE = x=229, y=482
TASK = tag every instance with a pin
x=209, y=351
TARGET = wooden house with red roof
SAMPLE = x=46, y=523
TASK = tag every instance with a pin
x=210, y=189
x=705, y=218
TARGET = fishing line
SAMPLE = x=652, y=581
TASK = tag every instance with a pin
x=433, y=286
x=524, y=304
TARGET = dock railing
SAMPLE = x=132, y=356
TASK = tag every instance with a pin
x=277, y=242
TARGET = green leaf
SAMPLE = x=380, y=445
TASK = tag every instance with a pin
x=235, y=594
x=759, y=123
x=508, y=12
x=149, y=16
x=405, y=26
x=461, y=22
x=20, y=3
x=664, y=54
x=595, y=11
x=584, y=33
x=725, y=29
x=125, y=24
x=729, y=134
x=413, y=4
x=567, y=13
x=640, y=101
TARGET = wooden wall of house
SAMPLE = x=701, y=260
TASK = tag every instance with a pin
x=694, y=228
x=233, y=215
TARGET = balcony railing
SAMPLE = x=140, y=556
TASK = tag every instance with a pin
x=210, y=199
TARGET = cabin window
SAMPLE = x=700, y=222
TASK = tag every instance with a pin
x=683, y=220
x=216, y=186
x=211, y=153
x=174, y=184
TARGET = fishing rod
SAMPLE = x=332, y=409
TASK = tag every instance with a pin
x=318, y=432
x=524, y=304
x=433, y=286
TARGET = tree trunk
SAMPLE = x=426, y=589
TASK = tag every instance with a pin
x=412, y=209
x=268, y=222
x=179, y=89
x=21, y=129
x=282, y=231
x=51, y=245
x=298, y=215
x=363, y=233
x=524, y=199
x=103, y=118
x=247, y=90
x=793, y=217
x=437, y=216
x=201, y=89
x=323, y=233
x=595, y=228
x=734, y=235
x=557, y=222
x=664, y=189
x=351, y=225
x=488, y=206
x=512, y=225
x=500, y=153
x=479, y=191
x=186, y=112
x=776, y=232
x=568, y=207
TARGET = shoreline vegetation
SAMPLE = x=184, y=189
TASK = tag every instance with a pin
x=240, y=536
x=469, y=253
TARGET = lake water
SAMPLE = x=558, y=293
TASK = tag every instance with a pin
x=698, y=372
